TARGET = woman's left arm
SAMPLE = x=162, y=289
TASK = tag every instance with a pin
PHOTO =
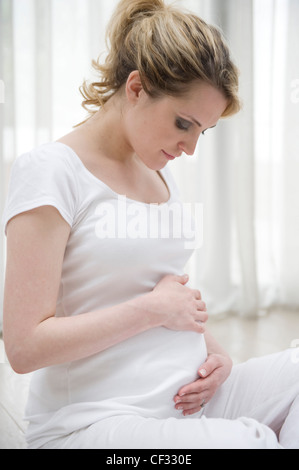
x=212, y=374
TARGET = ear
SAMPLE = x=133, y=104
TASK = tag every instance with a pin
x=134, y=86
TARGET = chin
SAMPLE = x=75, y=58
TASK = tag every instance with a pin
x=155, y=165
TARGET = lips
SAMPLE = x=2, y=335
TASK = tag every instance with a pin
x=167, y=155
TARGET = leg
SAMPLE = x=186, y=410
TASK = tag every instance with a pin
x=258, y=403
x=289, y=434
x=265, y=389
x=136, y=432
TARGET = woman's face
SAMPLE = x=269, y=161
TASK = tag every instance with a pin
x=161, y=129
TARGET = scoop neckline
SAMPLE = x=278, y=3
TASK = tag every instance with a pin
x=118, y=195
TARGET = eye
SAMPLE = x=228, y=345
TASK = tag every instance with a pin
x=182, y=124
x=203, y=133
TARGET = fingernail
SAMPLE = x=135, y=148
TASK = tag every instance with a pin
x=203, y=372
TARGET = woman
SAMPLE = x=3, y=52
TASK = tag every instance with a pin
x=104, y=317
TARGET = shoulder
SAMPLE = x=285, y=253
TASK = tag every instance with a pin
x=48, y=156
x=51, y=165
x=46, y=175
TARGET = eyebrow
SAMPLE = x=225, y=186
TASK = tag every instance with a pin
x=194, y=120
x=198, y=123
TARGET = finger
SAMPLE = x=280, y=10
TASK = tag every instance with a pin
x=209, y=366
x=203, y=372
x=197, y=294
x=192, y=411
x=191, y=399
x=198, y=327
x=182, y=279
x=195, y=406
x=197, y=387
x=199, y=315
x=190, y=406
x=187, y=406
x=201, y=305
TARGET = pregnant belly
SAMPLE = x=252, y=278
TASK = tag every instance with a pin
x=143, y=373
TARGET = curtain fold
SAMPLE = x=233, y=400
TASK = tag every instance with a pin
x=247, y=169
x=289, y=178
x=225, y=267
x=7, y=117
x=241, y=26
x=244, y=172
x=43, y=73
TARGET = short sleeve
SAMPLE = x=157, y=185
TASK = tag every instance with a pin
x=42, y=177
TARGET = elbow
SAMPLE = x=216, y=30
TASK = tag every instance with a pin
x=18, y=359
x=18, y=365
x=20, y=368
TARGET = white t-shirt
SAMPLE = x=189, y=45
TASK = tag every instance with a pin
x=118, y=249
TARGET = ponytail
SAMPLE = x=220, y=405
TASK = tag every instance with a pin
x=169, y=48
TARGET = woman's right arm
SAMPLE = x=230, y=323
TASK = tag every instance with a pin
x=35, y=338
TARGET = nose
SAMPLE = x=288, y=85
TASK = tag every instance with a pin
x=188, y=146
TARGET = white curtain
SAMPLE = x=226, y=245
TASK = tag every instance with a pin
x=245, y=172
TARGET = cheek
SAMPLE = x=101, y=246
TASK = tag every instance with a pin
x=148, y=135
x=136, y=124
x=151, y=131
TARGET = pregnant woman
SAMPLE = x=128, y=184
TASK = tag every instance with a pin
x=97, y=304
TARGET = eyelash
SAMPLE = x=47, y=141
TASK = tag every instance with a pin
x=180, y=125
x=183, y=127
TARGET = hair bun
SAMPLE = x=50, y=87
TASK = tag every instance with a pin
x=131, y=8
x=126, y=14
x=170, y=48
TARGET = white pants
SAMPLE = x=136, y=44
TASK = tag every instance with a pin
x=256, y=408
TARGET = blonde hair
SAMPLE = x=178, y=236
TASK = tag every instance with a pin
x=169, y=48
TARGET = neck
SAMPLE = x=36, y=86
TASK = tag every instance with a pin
x=105, y=132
